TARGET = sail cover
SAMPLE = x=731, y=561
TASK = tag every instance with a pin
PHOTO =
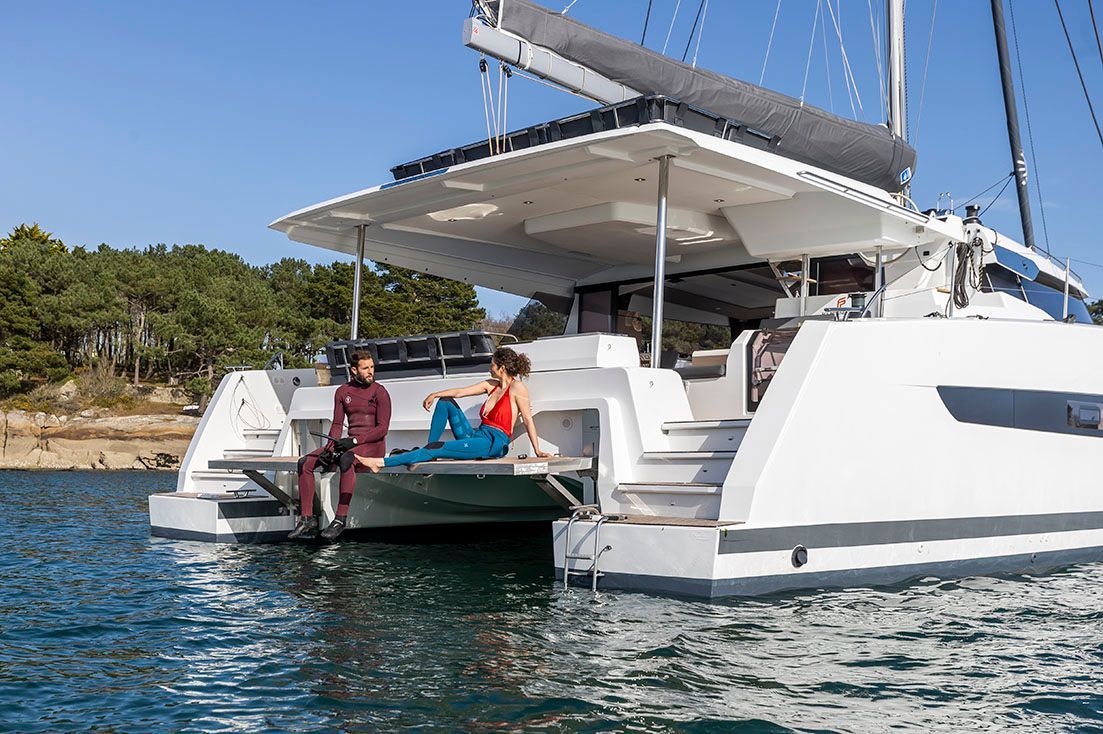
x=868, y=153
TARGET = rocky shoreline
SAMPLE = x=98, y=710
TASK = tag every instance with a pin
x=93, y=441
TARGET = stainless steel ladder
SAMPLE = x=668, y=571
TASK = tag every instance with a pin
x=584, y=512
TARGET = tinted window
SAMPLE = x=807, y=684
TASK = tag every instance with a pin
x=1052, y=302
x=998, y=279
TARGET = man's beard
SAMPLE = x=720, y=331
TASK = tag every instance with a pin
x=362, y=380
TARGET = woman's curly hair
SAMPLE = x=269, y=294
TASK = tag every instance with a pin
x=515, y=364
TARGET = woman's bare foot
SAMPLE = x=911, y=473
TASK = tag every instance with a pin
x=371, y=462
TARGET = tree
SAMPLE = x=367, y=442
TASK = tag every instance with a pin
x=34, y=233
x=1095, y=308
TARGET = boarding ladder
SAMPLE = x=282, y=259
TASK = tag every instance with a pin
x=592, y=513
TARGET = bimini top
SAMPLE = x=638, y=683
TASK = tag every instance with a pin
x=581, y=210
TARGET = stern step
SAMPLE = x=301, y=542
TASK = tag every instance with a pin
x=688, y=455
x=671, y=426
x=245, y=453
x=674, y=488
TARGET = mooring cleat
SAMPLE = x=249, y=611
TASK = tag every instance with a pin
x=335, y=528
x=306, y=529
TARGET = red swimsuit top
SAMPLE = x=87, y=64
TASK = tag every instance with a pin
x=501, y=415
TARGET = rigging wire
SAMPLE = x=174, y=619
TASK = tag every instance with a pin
x=696, y=19
x=811, y=41
x=646, y=20
x=700, y=33
x=669, y=30
x=997, y=196
x=846, y=60
x=1076, y=62
x=1095, y=27
x=503, y=97
x=973, y=198
x=484, y=83
x=1029, y=131
x=882, y=89
x=926, y=65
x=569, y=6
x=769, y=43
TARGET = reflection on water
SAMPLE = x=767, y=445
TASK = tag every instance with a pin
x=108, y=629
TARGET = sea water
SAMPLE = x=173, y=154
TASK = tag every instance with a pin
x=107, y=629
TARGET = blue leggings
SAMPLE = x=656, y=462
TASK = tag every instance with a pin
x=483, y=442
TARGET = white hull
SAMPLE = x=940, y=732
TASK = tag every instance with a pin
x=719, y=562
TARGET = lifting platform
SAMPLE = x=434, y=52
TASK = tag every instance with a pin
x=542, y=471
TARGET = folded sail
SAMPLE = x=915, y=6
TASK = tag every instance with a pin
x=868, y=153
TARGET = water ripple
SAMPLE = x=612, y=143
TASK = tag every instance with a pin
x=107, y=629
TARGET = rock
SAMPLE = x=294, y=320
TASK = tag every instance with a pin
x=68, y=391
x=89, y=413
x=30, y=441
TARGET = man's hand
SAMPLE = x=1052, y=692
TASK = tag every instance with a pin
x=543, y=454
x=344, y=444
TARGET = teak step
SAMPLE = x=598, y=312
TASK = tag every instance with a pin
x=262, y=432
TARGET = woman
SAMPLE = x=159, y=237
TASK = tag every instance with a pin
x=507, y=398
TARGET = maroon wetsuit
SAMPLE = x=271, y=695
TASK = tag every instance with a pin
x=368, y=410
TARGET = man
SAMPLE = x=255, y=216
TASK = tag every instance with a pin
x=367, y=406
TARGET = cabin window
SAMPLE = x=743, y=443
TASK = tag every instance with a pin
x=1050, y=300
x=596, y=311
x=843, y=274
x=1000, y=280
x=543, y=315
x=705, y=309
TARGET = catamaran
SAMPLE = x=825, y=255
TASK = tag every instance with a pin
x=903, y=393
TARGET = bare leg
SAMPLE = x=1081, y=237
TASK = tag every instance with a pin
x=371, y=462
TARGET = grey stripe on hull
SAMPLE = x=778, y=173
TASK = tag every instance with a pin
x=848, y=578
x=268, y=536
x=250, y=508
x=1029, y=410
x=844, y=535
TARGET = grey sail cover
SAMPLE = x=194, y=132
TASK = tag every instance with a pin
x=868, y=153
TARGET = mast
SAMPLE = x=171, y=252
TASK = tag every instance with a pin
x=1018, y=157
x=898, y=98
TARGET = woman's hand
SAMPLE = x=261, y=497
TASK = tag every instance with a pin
x=428, y=402
x=543, y=454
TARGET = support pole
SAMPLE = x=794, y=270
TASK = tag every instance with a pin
x=951, y=269
x=1065, y=310
x=878, y=281
x=805, y=266
x=359, y=267
x=660, y=263
x=1018, y=157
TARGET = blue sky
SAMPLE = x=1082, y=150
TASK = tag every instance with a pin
x=135, y=123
